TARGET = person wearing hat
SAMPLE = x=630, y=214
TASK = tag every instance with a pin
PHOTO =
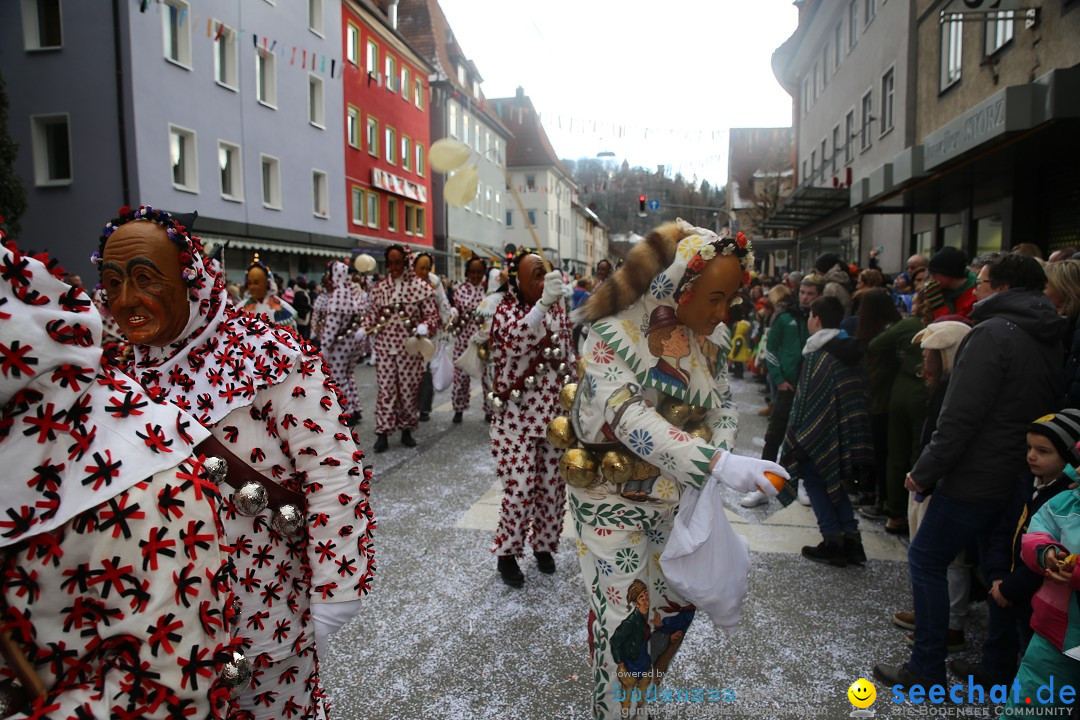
x=951, y=288
x=837, y=280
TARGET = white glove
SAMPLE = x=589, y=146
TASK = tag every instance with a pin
x=553, y=288
x=328, y=619
x=745, y=473
x=360, y=333
x=421, y=330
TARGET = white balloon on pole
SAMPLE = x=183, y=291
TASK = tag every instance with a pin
x=447, y=154
x=461, y=189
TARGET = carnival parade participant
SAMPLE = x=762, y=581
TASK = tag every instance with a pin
x=654, y=403
x=422, y=266
x=341, y=334
x=305, y=559
x=116, y=582
x=467, y=299
x=531, y=353
x=262, y=297
x=402, y=308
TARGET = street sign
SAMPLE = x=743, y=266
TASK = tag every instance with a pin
x=654, y=205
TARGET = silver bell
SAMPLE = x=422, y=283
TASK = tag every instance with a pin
x=236, y=673
x=237, y=608
x=530, y=382
x=216, y=469
x=490, y=398
x=398, y=306
x=402, y=313
x=407, y=323
x=554, y=338
x=563, y=369
x=515, y=396
x=541, y=368
x=251, y=499
x=557, y=353
x=568, y=379
x=498, y=404
x=547, y=353
x=287, y=520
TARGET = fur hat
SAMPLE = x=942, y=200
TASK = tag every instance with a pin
x=949, y=261
x=1063, y=430
x=945, y=336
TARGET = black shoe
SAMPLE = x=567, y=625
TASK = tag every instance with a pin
x=381, y=444
x=510, y=572
x=424, y=417
x=964, y=669
x=457, y=418
x=831, y=553
x=407, y=439
x=545, y=562
x=891, y=675
x=853, y=548
x=873, y=512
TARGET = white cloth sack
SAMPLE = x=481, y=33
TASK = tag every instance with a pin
x=442, y=366
x=705, y=560
x=470, y=362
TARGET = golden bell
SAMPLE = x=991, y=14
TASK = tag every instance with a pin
x=560, y=433
x=700, y=430
x=482, y=352
x=567, y=395
x=581, y=368
x=578, y=467
x=616, y=466
x=675, y=412
x=697, y=413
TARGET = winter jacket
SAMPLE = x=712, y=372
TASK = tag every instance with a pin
x=838, y=285
x=1071, y=397
x=1008, y=373
x=1056, y=524
x=958, y=301
x=784, y=344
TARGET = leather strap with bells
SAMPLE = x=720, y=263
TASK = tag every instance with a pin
x=254, y=492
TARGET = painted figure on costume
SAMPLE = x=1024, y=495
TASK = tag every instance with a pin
x=262, y=296
x=467, y=299
x=267, y=398
x=669, y=345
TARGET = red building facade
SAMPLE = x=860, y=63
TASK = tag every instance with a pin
x=387, y=131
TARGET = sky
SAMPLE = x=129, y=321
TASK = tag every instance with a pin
x=653, y=82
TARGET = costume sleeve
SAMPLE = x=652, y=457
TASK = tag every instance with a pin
x=429, y=311
x=335, y=483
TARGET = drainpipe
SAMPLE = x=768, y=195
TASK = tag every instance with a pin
x=121, y=122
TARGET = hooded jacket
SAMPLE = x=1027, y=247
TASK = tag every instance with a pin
x=1008, y=372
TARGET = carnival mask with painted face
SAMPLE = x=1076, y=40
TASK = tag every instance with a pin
x=475, y=272
x=395, y=263
x=257, y=283
x=530, y=278
x=423, y=267
x=713, y=292
x=141, y=275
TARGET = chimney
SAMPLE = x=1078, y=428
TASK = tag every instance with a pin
x=520, y=92
x=391, y=12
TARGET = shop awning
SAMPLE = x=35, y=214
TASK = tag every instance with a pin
x=806, y=205
x=366, y=243
x=236, y=243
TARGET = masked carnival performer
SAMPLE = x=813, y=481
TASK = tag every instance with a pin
x=531, y=357
x=302, y=531
x=467, y=299
x=341, y=334
x=655, y=415
x=402, y=312
x=262, y=297
x=116, y=581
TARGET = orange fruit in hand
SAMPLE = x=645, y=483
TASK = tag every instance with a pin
x=777, y=481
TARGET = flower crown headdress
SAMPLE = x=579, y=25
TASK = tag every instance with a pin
x=739, y=246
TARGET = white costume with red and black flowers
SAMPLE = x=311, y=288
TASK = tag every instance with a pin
x=341, y=347
x=534, y=494
x=115, y=576
x=397, y=373
x=467, y=298
x=267, y=395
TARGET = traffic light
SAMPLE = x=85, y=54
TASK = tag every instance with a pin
x=511, y=250
x=641, y=203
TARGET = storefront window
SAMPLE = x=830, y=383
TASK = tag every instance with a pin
x=953, y=236
x=924, y=243
x=988, y=234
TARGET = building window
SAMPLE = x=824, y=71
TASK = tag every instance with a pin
x=51, y=140
x=226, y=70
x=418, y=93
x=825, y=66
x=392, y=214
x=391, y=73
x=824, y=156
x=888, y=83
x=41, y=25
x=185, y=174
x=373, y=136
x=452, y=119
x=805, y=170
x=176, y=30
x=487, y=201
x=498, y=204
x=357, y=206
x=352, y=44
x=420, y=168
x=266, y=78
x=372, y=57
x=315, y=16
x=509, y=218
x=406, y=86
x=999, y=31
x=316, y=109
x=869, y=9
x=406, y=153
x=835, y=147
x=271, y=182
x=352, y=127
x=420, y=225
x=849, y=137
x=532, y=217
x=232, y=175
x=390, y=145
x=853, y=24
x=372, y=215
x=461, y=78
x=465, y=128
x=476, y=135
x=952, y=34
x=320, y=195
x=489, y=149
x=805, y=95
x=838, y=46
x=813, y=164
x=867, y=118
x=410, y=220
x=530, y=182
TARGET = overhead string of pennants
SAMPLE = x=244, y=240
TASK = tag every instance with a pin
x=298, y=56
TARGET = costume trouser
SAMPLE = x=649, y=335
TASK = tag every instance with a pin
x=398, y=378
x=907, y=412
x=778, y=420
x=534, y=494
x=282, y=690
x=460, y=392
x=1042, y=665
x=615, y=552
x=342, y=356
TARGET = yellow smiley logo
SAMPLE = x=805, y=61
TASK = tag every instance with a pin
x=862, y=693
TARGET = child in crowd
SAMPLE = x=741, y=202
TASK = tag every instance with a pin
x=1054, y=533
x=828, y=434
